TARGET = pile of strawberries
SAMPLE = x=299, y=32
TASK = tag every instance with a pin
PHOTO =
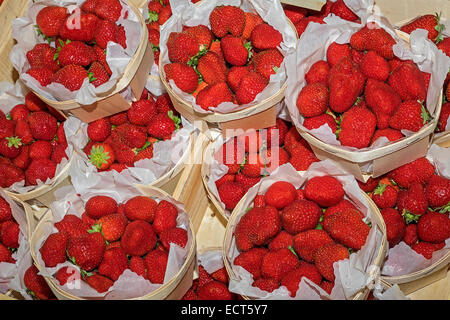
x=9, y=233
x=415, y=204
x=363, y=92
x=110, y=238
x=210, y=286
x=32, y=142
x=159, y=12
x=432, y=24
x=118, y=141
x=74, y=54
x=248, y=158
x=301, y=17
x=293, y=233
x=231, y=62
x=36, y=286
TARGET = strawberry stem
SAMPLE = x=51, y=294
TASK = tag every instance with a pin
x=98, y=156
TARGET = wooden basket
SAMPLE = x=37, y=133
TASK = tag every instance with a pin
x=172, y=290
x=239, y=211
x=384, y=159
x=139, y=3
x=112, y=102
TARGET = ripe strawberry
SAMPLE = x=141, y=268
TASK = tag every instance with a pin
x=118, y=118
x=266, y=284
x=302, y=158
x=163, y=125
x=114, y=263
x=71, y=77
x=231, y=154
x=264, y=36
x=292, y=279
x=36, y=285
x=251, y=261
x=336, y=52
x=108, y=9
x=203, y=276
x=420, y=170
x=100, y=283
x=50, y=19
x=426, y=249
x=164, y=14
x=276, y=264
x=137, y=265
x=300, y=215
x=318, y=72
x=53, y=250
x=43, y=126
x=5, y=255
x=105, y=32
x=293, y=140
x=374, y=66
x=183, y=75
x=213, y=95
x=412, y=201
x=227, y=19
x=7, y=128
x=245, y=181
x=42, y=75
x=301, y=26
x=347, y=228
x=177, y=236
x=295, y=14
x=10, y=147
x=9, y=234
x=320, y=120
x=395, y=226
x=306, y=243
x=357, y=127
x=202, y=34
x=5, y=210
x=433, y=227
x=385, y=196
x=138, y=238
x=328, y=254
x=282, y=240
x=40, y=149
x=267, y=62
x=249, y=87
x=98, y=74
x=135, y=137
x=67, y=275
x=73, y=226
x=445, y=114
x=10, y=174
x=408, y=81
x=230, y=194
x=101, y=57
x=99, y=130
x=77, y=53
x=327, y=191
x=437, y=192
x=390, y=134
x=214, y=290
x=156, y=263
x=101, y=155
x=212, y=68
x=89, y=6
x=33, y=102
x=280, y=194
x=40, y=169
x=221, y=275
x=235, y=50
x=99, y=206
x=411, y=236
x=343, y=204
x=341, y=10
x=251, y=21
x=164, y=104
x=111, y=226
x=373, y=38
x=429, y=22
x=86, y=30
x=141, y=208
x=181, y=47
x=226, y=178
x=257, y=227
x=86, y=251
x=277, y=134
x=42, y=56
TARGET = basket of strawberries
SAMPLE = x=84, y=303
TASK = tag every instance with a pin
x=223, y=61
x=365, y=95
x=35, y=154
x=89, y=58
x=96, y=245
x=305, y=236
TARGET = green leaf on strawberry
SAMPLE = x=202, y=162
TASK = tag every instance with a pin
x=175, y=119
x=152, y=16
x=380, y=189
x=425, y=115
x=410, y=217
x=15, y=142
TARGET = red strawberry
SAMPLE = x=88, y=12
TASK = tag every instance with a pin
x=99, y=130
x=156, y=263
x=341, y=10
x=67, y=275
x=111, y=226
x=328, y=254
x=100, y=283
x=86, y=251
x=437, y=192
x=53, y=250
x=36, y=285
x=226, y=178
x=84, y=32
x=395, y=226
x=137, y=265
x=7, y=128
x=89, y=6
x=40, y=149
x=5, y=255
x=43, y=75
x=177, y=236
x=385, y=196
x=282, y=240
x=114, y=263
x=300, y=215
x=280, y=194
x=105, y=32
x=266, y=284
x=318, y=72
x=313, y=100
x=306, y=243
x=5, y=210
x=301, y=26
x=181, y=47
x=138, y=238
x=235, y=50
x=257, y=227
x=276, y=264
x=249, y=87
x=373, y=38
x=43, y=126
x=412, y=201
x=357, y=127
x=292, y=279
x=9, y=234
x=445, y=113
x=40, y=169
x=118, y=118
x=101, y=155
x=10, y=147
x=245, y=181
x=318, y=121
x=411, y=236
x=77, y=53
x=140, y=208
x=343, y=204
x=214, y=290
x=212, y=68
x=264, y=36
x=327, y=191
x=163, y=125
x=213, y=95
x=370, y=185
x=183, y=75
x=374, y=66
x=73, y=226
x=10, y=174
x=408, y=81
x=98, y=74
x=221, y=275
x=251, y=21
x=411, y=115
x=101, y=57
x=33, y=102
x=336, y=52
x=426, y=249
x=99, y=206
x=295, y=14
x=42, y=56
x=108, y=9
x=164, y=14
x=251, y=261
x=230, y=194
x=434, y=227
x=390, y=134
x=327, y=286
x=227, y=19
x=71, y=77
x=429, y=22
x=50, y=19
x=420, y=170
x=202, y=34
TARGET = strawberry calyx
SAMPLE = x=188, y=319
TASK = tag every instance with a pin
x=155, y=48
x=293, y=251
x=98, y=156
x=425, y=115
x=15, y=142
x=91, y=77
x=32, y=294
x=175, y=119
x=40, y=33
x=248, y=209
x=380, y=189
x=248, y=46
x=444, y=209
x=439, y=28
x=338, y=122
x=410, y=217
x=145, y=146
x=152, y=16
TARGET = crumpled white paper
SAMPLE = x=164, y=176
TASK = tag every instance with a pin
x=12, y=95
x=352, y=275
x=402, y=259
x=8, y=271
x=186, y=13
x=68, y=202
x=166, y=156
x=118, y=58
x=313, y=45
x=211, y=260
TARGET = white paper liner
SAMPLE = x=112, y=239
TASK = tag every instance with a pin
x=352, y=275
x=313, y=45
x=166, y=156
x=118, y=58
x=9, y=270
x=186, y=13
x=402, y=259
x=211, y=260
x=12, y=95
x=121, y=190
x=17, y=283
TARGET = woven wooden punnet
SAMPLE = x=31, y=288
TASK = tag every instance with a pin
x=172, y=290
x=240, y=210
x=112, y=102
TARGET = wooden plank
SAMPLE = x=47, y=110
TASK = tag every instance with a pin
x=308, y=4
x=405, y=10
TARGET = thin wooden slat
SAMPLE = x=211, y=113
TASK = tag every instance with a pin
x=307, y=4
